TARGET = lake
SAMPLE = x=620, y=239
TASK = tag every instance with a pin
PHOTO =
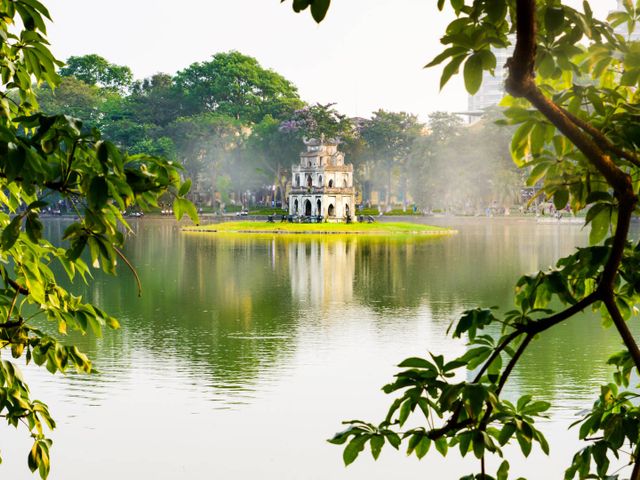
x=245, y=353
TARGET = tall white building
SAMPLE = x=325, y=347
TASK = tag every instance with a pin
x=492, y=89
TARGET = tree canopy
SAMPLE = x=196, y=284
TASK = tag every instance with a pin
x=236, y=85
x=573, y=97
x=155, y=115
x=96, y=70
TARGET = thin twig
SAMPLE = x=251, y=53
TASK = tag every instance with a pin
x=132, y=268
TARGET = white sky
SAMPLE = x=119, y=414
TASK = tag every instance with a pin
x=367, y=54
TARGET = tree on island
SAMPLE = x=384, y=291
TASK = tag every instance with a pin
x=389, y=138
x=573, y=83
x=44, y=158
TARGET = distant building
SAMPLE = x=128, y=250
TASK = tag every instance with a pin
x=322, y=184
x=492, y=88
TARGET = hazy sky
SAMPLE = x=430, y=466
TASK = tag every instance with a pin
x=367, y=54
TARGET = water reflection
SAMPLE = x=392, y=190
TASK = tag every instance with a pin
x=321, y=273
x=285, y=336
x=233, y=306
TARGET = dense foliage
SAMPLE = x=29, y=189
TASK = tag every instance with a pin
x=573, y=81
x=45, y=159
x=236, y=126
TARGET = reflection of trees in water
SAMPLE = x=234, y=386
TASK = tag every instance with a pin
x=561, y=366
x=222, y=305
x=388, y=274
x=230, y=306
x=567, y=365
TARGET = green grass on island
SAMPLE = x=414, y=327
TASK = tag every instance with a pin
x=376, y=228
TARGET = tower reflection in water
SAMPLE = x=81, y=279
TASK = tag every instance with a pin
x=322, y=272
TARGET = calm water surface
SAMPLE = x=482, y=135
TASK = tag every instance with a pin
x=245, y=353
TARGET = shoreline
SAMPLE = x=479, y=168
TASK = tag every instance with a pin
x=434, y=233
x=377, y=229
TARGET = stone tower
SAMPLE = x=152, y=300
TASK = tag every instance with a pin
x=322, y=184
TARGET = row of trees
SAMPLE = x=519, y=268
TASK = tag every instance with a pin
x=238, y=127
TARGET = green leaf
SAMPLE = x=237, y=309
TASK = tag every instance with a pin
x=341, y=437
x=319, y=9
x=561, y=198
x=505, y=434
x=11, y=233
x=525, y=443
x=503, y=471
x=554, y=19
x=393, y=438
x=353, y=449
x=423, y=446
x=376, y=443
x=442, y=446
x=182, y=206
x=600, y=226
x=102, y=152
x=33, y=227
x=98, y=193
x=416, y=362
x=478, y=444
x=449, y=52
x=465, y=442
x=185, y=187
x=450, y=69
x=496, y=11
x=405, y=410
x=473, y=73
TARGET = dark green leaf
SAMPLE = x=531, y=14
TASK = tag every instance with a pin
x=11, y=233
x=353, y=449
x=554, y=19
x=98, y=193
x=473, y=73
x=319, y=9
x=376, y=443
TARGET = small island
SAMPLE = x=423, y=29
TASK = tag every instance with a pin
x=322, y=201
x=386, y=228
